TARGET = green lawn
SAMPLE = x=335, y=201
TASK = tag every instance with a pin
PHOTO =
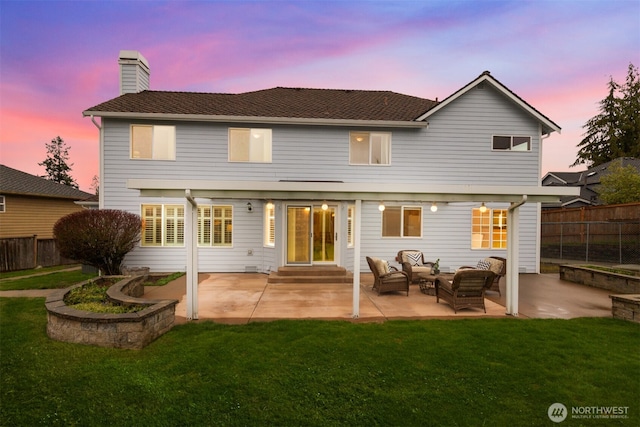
x=53, y=280
x=492, y=372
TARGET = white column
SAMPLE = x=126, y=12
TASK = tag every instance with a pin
x=191, y=242
x=513, y=250
x=357, y=215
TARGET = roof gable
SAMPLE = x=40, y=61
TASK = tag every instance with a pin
x=548, y=126
x=13, y=181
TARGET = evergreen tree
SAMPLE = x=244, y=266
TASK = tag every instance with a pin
x=615, y=132
x=56, y=163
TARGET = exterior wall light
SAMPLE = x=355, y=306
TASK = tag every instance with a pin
x=381, y=207
x=434, y=207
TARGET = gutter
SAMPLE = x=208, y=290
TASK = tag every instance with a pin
x=516, y=205
x=259, y=119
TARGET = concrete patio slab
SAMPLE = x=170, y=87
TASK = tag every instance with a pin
x=246, y=297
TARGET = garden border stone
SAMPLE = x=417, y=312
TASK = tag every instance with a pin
x=618, y=283
x=127, y=330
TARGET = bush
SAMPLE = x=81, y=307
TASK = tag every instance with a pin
x=100, y=238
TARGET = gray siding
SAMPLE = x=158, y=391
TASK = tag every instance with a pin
x=133, y=79
x=454, y=149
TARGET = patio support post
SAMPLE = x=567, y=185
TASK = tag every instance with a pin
x=513, y=261
x=191, y=242
x=356, y=259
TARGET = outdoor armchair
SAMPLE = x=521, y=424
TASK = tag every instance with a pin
x=496, y=264
x=466, y=289
x=387, y=279
x=414, y=265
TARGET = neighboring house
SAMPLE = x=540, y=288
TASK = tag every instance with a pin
x=588, y=181
x=297, y=177
x=30, y=205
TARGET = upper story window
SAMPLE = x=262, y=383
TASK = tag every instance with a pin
x=488, y=228
x=402, y=221
x=511, y=143
x=153, y=142
x=3, y=205
x=250, y=145
x=369, y=148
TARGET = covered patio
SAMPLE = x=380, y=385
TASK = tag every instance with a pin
x=239, y=298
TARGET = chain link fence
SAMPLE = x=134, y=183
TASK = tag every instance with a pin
x=592, y=241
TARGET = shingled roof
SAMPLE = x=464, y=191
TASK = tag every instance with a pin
x=13, y=181
x=279, y=102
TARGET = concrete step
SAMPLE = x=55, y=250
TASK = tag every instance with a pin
x=314, y=274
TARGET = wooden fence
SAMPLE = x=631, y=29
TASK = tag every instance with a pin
x=22, y=253
x=609, y=233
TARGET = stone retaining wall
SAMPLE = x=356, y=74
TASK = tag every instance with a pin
x=619, y=283
x=626, y=307
x=128, y=330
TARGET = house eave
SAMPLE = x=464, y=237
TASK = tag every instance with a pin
x=257, y=119
x=293, y=190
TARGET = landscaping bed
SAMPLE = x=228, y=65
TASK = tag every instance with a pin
x=601, y=278
x=120, y=317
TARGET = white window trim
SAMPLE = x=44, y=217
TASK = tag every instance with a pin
x=131, y=157
x=490, y=212
x=510, y=149
x=402, y=208
x=3, y=204
x=351, y=219
x=269, y=241
x=270, y=159
x=370, y=136
x=213, y=220
x=163, y=221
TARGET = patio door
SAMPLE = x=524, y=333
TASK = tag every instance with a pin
x=324, y=234
x=311, y=235
x=299, y=233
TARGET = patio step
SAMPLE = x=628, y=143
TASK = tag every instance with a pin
x=315, y=274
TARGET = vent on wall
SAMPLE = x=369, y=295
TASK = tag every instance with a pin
x=481, y=85
x=250, y=269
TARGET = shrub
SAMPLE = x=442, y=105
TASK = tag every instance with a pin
x=100, y=238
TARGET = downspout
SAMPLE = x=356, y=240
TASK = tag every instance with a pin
x=101, y=166
x=513, y=261
x=191, y=242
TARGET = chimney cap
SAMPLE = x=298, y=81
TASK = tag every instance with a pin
x=133, y=55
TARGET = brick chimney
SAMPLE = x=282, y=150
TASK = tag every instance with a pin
x=134, y=72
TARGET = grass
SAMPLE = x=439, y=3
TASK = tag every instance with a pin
x=54, y=280
x=315, y=373
x=19, y=273
x=164, y=280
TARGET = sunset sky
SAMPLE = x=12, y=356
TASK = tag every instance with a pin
x=58, y=58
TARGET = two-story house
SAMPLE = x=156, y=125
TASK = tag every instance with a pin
x=254, y=181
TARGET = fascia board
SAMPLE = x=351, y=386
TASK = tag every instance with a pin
x=349, y=191
x=257, y=119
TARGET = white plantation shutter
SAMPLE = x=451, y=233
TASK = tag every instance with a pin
x=204, y=225
x=174, y=225
x=152, y=225
x=222, y=225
